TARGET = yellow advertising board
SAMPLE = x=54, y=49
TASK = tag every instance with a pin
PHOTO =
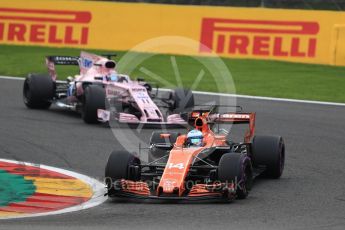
x=288, y=35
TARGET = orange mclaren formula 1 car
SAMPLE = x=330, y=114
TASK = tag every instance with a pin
x=203, y=164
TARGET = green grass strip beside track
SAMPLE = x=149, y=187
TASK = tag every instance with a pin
x=251, y=77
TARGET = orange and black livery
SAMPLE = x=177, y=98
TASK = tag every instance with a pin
x=218, y=168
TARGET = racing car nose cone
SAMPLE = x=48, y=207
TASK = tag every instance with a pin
x=176, y=169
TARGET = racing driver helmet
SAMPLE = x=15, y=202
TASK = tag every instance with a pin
x=113, y=77
x=194, y=138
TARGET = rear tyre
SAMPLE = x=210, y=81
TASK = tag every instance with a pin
x=236, y=168
x=38, y=91
x=94, y=98
x=183, y=100
x=121, y=165
x=270, y=152
x=156, y=152
x=148, y=87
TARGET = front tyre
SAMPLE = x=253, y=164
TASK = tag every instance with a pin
x=236, y=168
x=94, y=98
x=38, y=91
x=121, y=165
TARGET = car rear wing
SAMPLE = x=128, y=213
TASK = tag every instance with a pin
x=51, y=61
x=236, y=118
x=63, y=60
x=212, y=116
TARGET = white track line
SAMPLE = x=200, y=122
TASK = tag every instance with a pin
x=270, y=98
x=98, y=189
x=236, y=95
x=265, y=98
x=11, y=78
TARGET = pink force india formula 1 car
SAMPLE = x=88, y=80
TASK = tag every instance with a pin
x=98, y=88
x=192, y=167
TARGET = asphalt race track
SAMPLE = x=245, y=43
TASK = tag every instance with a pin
x=310, y=194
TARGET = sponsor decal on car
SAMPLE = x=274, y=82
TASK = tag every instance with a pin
x=86, y=63
x=236, y=116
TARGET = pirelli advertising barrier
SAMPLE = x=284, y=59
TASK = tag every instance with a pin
x=288, y=35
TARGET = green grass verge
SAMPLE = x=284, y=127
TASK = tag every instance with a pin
x=251, y=77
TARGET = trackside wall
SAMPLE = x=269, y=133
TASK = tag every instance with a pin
x=288, y=35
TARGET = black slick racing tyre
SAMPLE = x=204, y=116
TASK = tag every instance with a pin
x=121, y=165
x=38, y=91
x=236, y=168
x=94, y=98
x=269, y=151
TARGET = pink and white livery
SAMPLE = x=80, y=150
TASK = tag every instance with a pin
x=99, y=93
